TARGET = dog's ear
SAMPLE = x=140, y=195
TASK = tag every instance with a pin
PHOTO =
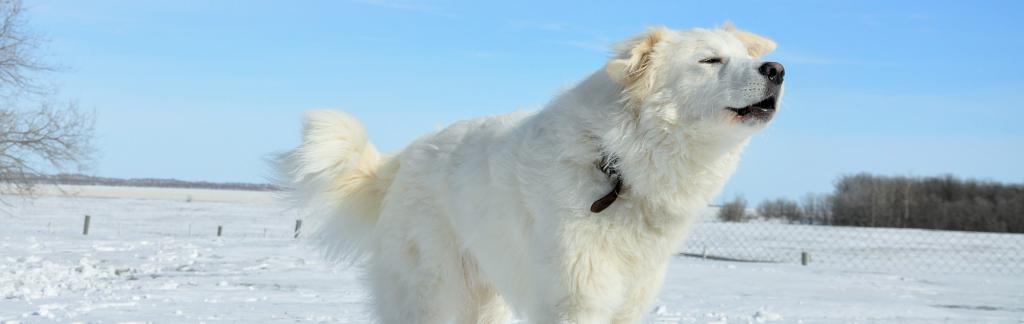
x=631, y=66
x=757, y=45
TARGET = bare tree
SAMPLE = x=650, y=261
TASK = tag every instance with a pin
x=945, y=203
x=782, y=208
x=35, y=136
x=817, y=209
x=734, y=211
x=18, y=46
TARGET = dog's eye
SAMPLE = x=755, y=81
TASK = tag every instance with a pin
x=712, y=60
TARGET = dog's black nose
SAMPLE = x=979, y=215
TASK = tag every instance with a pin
x=773, y=70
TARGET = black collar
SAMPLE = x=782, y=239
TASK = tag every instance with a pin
x=609, y=166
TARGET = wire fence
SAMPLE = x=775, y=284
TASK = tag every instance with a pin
x=858, y=248
x=885, y=250
x=106, y=227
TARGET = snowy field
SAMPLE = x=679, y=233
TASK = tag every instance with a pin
x=153, y=256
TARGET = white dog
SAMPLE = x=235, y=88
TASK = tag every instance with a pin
x=568, y=214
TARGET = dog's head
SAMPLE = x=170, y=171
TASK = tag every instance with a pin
x=700, y=78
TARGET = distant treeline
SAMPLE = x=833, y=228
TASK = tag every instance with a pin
x=85, y=180
x=944, y=203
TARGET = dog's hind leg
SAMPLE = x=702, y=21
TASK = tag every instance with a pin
x=476, y=300
x=493, y=309
x=487, y=307
x=408, y=291
x=418, y=275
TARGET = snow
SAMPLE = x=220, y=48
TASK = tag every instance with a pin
x=153, y=256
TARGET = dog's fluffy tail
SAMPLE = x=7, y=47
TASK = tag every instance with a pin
x=338, y=180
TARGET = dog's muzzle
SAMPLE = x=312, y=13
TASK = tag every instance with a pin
x=764, y=110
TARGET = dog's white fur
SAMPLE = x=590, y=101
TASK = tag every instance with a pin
x=492, y=215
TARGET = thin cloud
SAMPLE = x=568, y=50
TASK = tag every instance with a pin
x=919, y=16
x=480, y=54
x=796, y=58
x=552, y=26
x=408, y=6
x=600, y=47
x=791, y=57
x=579, y=37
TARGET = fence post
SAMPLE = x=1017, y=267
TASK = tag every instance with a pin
x=805, y=258
x=220, y=230
x=298, y=227
x=85, y=228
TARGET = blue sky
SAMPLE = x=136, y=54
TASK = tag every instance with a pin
x=204, y=90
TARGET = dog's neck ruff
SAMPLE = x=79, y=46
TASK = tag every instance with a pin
x=609, y=166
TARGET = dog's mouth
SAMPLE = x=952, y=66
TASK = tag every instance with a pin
x=761, y=110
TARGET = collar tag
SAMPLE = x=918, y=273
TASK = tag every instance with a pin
x=608, y=166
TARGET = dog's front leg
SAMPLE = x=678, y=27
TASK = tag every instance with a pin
x=596, y=286
x=638, y=300
x=589, y=315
